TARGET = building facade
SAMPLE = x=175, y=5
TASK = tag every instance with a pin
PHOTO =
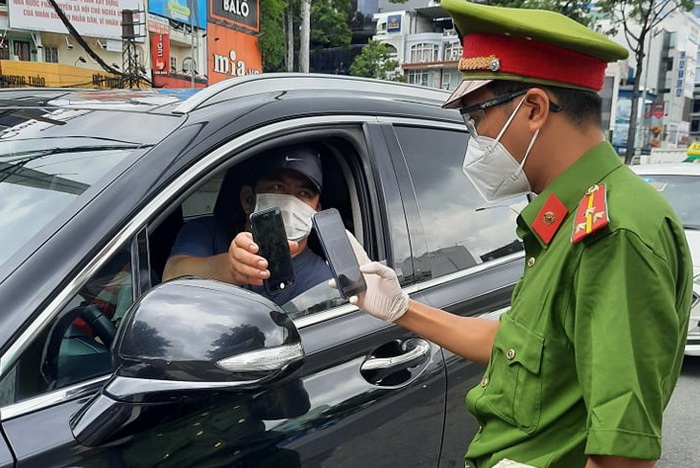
x=170, y=43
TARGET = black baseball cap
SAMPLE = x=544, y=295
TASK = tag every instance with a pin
x=301, y=158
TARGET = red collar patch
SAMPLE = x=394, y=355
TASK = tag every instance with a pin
x=592, y=213
x=549, y=219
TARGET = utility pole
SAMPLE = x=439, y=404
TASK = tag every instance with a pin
x=192, y=63
x=289, y=32
x=305, y=36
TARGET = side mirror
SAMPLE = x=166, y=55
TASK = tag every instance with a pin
x=189, y=337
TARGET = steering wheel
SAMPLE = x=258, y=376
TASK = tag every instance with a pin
x=103, y=328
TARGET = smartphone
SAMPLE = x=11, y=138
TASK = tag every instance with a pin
x=341, y=258
x=269, y=234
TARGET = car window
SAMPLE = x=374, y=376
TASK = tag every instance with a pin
x=213, y=216
x=74, y=346
x=317, y=299
x=683, y=193
x=461, y=228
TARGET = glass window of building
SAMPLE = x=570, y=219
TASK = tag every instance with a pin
x=694, y=125
x=424, y=52
x=452, y=52
x=424, y=77
x=451, y=78
x=20, y=49
x=696, y=106
x=173, y=64
x=50, y=54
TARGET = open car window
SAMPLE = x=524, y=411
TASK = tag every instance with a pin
x=317, y=299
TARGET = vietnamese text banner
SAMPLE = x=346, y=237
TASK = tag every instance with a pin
x=92, y=18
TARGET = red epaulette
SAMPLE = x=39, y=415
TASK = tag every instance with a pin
x=592, y=213
x=548, y=220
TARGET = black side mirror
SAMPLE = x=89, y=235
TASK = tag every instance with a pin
x=189, y=337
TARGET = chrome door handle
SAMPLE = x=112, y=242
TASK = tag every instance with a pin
x=417, y=350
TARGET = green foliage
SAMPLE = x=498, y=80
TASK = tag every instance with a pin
x=637, y=19
x=272, y=40
x=575, y=9
x=329, y=24
x=646, y=14
x=375, y=62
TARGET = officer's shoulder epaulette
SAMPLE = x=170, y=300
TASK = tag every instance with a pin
x=591, y=214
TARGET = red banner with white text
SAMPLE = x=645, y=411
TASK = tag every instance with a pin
x=160, y=53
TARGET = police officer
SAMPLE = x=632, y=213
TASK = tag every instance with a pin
x=583, y=364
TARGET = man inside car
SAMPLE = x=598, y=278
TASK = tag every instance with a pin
x=290, y=178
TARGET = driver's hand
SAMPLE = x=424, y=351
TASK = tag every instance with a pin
x=247, y=267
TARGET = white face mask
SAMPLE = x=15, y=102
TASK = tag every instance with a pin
x=492, y=169
x=295, y=213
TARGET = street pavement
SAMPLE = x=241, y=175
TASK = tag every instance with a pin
x=681, y=445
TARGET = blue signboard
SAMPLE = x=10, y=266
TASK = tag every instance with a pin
x=393, y=23
x=193, y=12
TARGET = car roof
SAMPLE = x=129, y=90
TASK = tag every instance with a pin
x=35, y=101
x=299, y=82
x=690, y=169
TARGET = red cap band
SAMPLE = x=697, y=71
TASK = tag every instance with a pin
x=531, y=59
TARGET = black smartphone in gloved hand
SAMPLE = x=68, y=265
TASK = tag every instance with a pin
x=341, y=258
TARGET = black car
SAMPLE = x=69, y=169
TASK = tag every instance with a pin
x=104, y=365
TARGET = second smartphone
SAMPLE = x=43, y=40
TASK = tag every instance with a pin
x=269, y=234
x=341, y=258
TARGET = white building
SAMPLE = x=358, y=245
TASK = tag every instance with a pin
x=424, y=42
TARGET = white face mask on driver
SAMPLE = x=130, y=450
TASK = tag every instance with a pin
x=295, y=213
x=492, y=169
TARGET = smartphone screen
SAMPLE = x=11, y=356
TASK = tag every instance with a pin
x=341, y=258
x=269, y=234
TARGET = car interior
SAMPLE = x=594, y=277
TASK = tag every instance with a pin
x=219, y=197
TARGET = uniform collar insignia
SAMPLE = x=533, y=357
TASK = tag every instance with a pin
x=549, y=219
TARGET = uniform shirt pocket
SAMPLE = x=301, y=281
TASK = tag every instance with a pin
x=513, y=387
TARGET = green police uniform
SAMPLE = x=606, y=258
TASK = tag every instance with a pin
x=586, y=359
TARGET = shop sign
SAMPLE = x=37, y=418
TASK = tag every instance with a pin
x=192, y=12
x=158, y=25
x=160, y=53
x=231, y=53
x=243, y=13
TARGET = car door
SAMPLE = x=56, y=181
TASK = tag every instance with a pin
x=467, y=256
x=355, y=401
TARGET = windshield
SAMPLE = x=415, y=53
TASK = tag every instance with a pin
x=38, y=182
x=683, y=192
x=50, y=156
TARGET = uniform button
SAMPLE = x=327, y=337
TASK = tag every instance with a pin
x=510, y=354
x=484, y=381
x=531, y=262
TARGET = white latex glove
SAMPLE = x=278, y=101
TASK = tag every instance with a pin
x=383, y=298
